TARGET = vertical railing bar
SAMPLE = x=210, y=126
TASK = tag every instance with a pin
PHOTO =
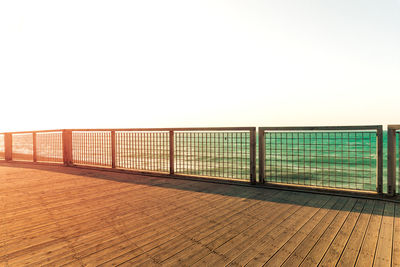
x=379, y=159
x=100, y=147
x=84, y=148
x=156, y=151
x=149, y=156
x=67, y=147
x=253, y=156
x=140, y=150
x=171, y=152
x=391, y=161
x=8, y=146
x=234, y=162
x=261, y=155
x=113, y=149
x=85, y=153
x=135, y=150
x=215, y=154
x=153, y=167
x=101, y=136
x=148, y=148
x=90, y=145
x=128, y=152
x=34, y=148
x=207, y=152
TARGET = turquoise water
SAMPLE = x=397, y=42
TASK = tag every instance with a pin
x=325, y=159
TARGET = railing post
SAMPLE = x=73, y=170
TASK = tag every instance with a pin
x=34, y=147
x=171, y=153
x=112, y=149
x=261, y=155
x=8, y=146
x=253, y=156
x=67, y=147
x=391, y=161
x=379, y=169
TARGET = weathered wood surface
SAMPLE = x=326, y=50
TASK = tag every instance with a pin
x=58, y=216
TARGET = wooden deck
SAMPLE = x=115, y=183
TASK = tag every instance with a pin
x=66, y=216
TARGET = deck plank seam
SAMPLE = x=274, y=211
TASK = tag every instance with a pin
x=324, y=202
x=315, y=225
x=341, y=227
x=323, y=233
x=380, y=227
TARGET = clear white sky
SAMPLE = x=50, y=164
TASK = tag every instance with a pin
x=88, y=64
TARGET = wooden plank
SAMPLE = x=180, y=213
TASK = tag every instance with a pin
x=318, y=249
x=280, y=239
x=142, y=260
x=296, y=217
x=368, y=247
x=383, y=254
x=275, y=215
x=396, y=237
x=302, y=250
x=285, y=251
x=292, y=236
x=350, y=253
x=334, y=251
x=93, y=218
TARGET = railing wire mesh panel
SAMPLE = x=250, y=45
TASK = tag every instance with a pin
x=2, y=148
x=22, y=147
x=345, y=160
x=398, y=162
x=147, y=151
x=213, y=154
x=49, y=147
x=91, y=148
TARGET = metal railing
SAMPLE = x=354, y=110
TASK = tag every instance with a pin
x=348, y=157
x=91, y=148
x=48, y=147
x=22, y=146
x=206, y=152
x=216, y=152
x=2, y=148
x=393, y=162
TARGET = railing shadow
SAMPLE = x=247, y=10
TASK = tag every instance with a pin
x=248, y=193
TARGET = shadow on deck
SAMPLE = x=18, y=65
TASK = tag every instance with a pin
x=56, y=215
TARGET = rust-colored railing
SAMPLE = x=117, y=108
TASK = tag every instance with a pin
x=343, y=157
x=2, y=148
x=393, y=162
x=225, y=152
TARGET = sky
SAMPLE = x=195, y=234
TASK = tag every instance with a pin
x=132, y=64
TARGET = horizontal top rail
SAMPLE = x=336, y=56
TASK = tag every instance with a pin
x=175, y=129
x=146, y=129
x=322, y=128
x=39, y=131
x=394, y=127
